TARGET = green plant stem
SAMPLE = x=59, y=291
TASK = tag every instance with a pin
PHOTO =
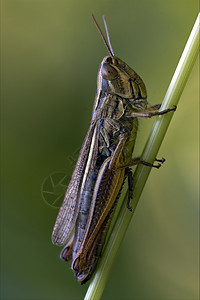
x=141, y=174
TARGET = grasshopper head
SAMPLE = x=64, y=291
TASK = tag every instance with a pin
x=117, y=78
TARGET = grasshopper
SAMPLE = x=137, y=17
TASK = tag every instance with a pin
x=103, y=163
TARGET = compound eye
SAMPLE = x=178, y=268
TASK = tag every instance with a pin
x=108, y=72
x=109, y=60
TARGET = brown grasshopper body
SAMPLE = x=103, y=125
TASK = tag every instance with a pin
x=103, y=164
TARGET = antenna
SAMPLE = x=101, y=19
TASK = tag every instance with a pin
x=107, y=34
x=108, y=45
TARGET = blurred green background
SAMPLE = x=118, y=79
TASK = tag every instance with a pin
x=51, y=52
